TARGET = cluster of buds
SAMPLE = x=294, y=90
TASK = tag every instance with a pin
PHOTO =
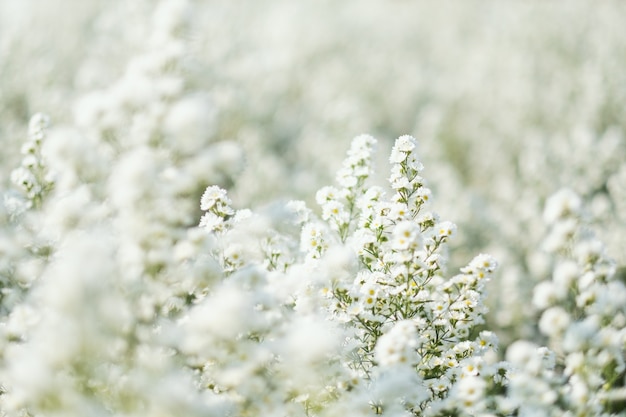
x=32, y=178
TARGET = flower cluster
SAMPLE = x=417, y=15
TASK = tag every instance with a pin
x=33, y=180
x=339, y=205
x=375, y=268
x=217, y=205
x=120, y=295
x=582, y=311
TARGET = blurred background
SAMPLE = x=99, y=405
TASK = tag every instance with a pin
x=510, y=101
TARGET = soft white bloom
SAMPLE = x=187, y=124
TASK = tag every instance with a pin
x=398, y=211
x=24, y=179
x=545, y=294
x=245, y=215
x=470, y=390
x=212, y=196
x=416, y=165
x=361, y=146
x=21, y=319
x=397, y=346
x=190, y=122
x=564, y=203
x=221, y=316
x=487, y=339
x=578, y=391
x=609, y=300
x=445, y=229
x=480, y=265
x=471, y=366
x=300, y=210
x=371, y=195
x=348, y=177
x=405, y=235
x=395, y=387
x=574, y=362
x=525, y=355
x=580, y=334
x=310, y=340
x=565, y=274
x=312, y=238
x=211, y=221
x=355, y=309
x=15, y=203
x=326, y=194
x=560, y=235
x=37, y=124
x=335, y=210
x=589, y=251
x=399, y=182
x=554, y=321
x=405, y=143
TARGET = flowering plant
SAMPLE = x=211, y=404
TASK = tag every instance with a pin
x=121, y=296
x=373, y=269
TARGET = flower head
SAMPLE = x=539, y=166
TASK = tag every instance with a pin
x=212, y=197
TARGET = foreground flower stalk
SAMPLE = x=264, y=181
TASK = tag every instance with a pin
x=372, y=268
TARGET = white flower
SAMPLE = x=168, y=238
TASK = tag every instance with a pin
x=326, y=194
x=589, y=251
x=398, y=345
x=15, y=203
x=580, y=334
x=242, y=215
x=405, y=143
x=362, y=145
x=574, y=362
x=347, y=178
x=211, y=221
x=21, y=319
x=423, y=193
x=399, y=182
x=312, y=238
x=309, y=340
x=300, y=210
x=445, y=229
x=565, y=274
x=564, y=203
x=23, y=178
x=226, y=313
x=416, y=165
x=470, y=390
x=438, y=385
x=579, y=391
x=394, y=389
x=396, y=156
x=554, y=321
x=211, y=196
x=335, y=210
x=234, y=255
x=471, y=366
x=544, y=295
x=355, y=309
x=37, y=124
x=371, y=195
x=487, y=339
x=398, y=211
x=30, y=161
x=405, y=235
x=560, y=234
x=480, y=265
x=548, y=357
x=524, y=355
x=190, y=122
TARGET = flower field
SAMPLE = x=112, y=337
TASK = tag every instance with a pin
x=278, y=208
